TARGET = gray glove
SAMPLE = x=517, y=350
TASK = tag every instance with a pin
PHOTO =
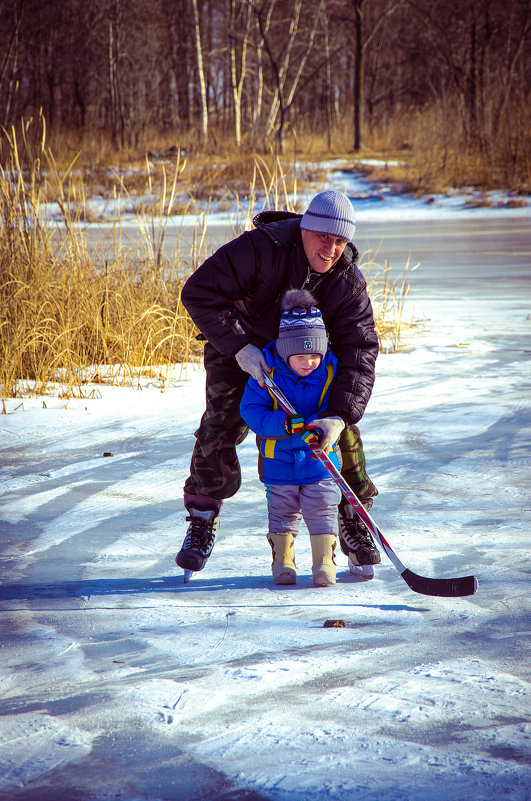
x=331, y=428
x=251, y=360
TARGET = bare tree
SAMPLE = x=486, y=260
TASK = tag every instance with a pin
x=9, y=66
x=288, y=61
x=241, y=21
x=367, y=20
x=200, y=73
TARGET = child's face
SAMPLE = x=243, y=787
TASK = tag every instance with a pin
x=304, y=363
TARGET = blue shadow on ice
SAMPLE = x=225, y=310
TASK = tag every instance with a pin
x=170, y=584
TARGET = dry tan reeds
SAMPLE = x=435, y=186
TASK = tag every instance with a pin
x=63, y=309
x=433, y=149
x=388, y=293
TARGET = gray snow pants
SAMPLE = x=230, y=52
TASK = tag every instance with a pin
x=316, y=503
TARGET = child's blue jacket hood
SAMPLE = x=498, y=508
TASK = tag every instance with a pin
x=285, y=459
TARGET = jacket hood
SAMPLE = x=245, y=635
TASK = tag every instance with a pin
x=283, y=228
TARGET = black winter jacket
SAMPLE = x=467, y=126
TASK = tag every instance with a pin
x=234, y=299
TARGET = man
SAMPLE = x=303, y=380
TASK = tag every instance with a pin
x=233, y=298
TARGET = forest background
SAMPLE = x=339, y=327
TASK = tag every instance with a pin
x=444, y=83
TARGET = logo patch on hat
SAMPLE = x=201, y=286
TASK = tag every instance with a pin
x=308, y=344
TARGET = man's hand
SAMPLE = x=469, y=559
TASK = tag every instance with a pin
x=251, y=360
x=331, y=428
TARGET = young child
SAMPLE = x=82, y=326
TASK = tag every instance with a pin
x=296, y=483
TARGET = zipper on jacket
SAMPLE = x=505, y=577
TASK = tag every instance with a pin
x=317, y=278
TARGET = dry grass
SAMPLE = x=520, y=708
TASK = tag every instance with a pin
x=388, y=293
x=221, y=175
x=432, y=151
x=64, y=310
x=71, y=314
x=433, y=148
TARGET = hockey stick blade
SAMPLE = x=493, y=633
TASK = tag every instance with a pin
x=442, y=588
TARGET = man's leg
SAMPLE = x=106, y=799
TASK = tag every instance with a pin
x=354, y=468
x=354, y=537
x=214, y=469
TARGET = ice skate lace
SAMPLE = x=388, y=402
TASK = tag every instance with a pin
x=354, y=533
x=200, y=535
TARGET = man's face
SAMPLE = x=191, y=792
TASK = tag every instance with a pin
x=322, y=250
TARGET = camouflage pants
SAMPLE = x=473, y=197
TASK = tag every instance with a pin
x=214, y=470
x=353, y=467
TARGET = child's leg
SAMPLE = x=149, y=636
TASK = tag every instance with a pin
x=284, y=513
x=319, y=507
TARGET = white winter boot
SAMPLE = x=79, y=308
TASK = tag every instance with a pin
x=324, y=566
x=283, y=565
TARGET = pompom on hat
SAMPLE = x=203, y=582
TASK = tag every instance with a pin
x=332, y=213
x=301, y=329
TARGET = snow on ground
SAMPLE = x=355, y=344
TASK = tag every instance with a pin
x=373, y=203
x=117, y=680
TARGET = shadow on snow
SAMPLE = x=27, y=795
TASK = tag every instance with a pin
x=172, y=584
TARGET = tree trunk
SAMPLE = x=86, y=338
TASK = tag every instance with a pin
x=358, y=72
x=237, y=82
x=258, y=100
x=328, y=88
x=113, y=91
x=201, y=74
x=277, y=104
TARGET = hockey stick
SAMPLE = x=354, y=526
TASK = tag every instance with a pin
x=444, y=588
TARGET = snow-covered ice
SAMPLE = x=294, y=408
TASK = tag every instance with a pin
x=117, y=680
x=381, y=202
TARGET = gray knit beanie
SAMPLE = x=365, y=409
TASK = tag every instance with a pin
x=331, y=213
x=302, y=329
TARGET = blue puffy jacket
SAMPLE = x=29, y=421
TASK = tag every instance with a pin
x=287, y=459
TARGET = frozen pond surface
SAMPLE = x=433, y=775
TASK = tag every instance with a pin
x=118, y=681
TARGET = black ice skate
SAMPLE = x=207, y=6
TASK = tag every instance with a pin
x=356, y=541
x=199, y=540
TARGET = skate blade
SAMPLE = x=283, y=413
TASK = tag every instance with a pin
x=366, y=572
x=187, y=575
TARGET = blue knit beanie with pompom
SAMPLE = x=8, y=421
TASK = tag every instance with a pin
x=301, y=329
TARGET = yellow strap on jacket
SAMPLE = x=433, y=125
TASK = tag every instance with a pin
x=330, y=371
x=269, y=444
